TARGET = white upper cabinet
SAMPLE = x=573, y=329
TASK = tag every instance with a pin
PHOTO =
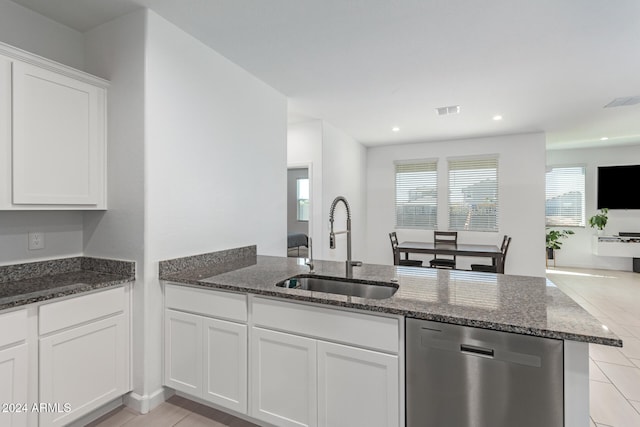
x=52, y=135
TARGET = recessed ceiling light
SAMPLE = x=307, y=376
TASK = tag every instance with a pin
x=497, y=117
x=395, y=129
x=604, y=138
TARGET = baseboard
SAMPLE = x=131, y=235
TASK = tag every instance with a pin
x=144, y=404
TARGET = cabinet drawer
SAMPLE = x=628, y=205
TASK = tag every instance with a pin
x=208, y=302
x=78, y=310
x=375, y=332
x=14, y=327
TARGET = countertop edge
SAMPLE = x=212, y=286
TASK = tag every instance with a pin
x=78, y=288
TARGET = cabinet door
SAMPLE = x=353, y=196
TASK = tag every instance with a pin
x=283, y=379
x=58, y=139
x=183, y=352
x=225, y=355
x=83, y=368
x=5, y=132
x=357, y=387
x=13, y=386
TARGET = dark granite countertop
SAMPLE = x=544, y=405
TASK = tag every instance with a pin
x=27, y=283
x=519, y=304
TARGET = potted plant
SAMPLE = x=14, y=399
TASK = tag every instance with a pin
x=599, y=220
x=553, y=240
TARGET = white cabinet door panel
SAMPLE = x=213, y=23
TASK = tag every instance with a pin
x=284, y=378
x=183, y=352
x=57, y=151
x=357, y=387
x=225, y=353
x=5, y=132
x=84, y=367
x=13, y=385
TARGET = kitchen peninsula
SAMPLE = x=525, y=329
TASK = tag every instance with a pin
x=326, y=341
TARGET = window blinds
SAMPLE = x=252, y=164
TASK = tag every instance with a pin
x=417, y=195
x=473, y=194
x=564, y=204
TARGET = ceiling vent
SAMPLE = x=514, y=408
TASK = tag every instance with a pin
x=452, y=109
x=624, y=102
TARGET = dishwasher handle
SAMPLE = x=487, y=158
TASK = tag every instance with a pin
x=477, y=351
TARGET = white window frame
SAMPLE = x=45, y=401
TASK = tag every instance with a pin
x=422, y=216
x=300, y=211
x=564, y=219
x=458, y=202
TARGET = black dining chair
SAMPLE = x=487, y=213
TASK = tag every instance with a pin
x=396, y=254
x=506, y=241
x=444, y=237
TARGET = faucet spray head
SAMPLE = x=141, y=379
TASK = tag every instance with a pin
x=332, y=240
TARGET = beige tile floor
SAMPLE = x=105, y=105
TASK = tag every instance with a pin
x=613, y=297
x=176, y=411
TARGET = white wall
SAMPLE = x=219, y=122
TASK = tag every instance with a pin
x=338, y=168
x=216, y=151
x=304, y=148
x=27, y=30
x=215, y=162
x=521, y=178
x=62, y=231
x=344, y=174
x=115, y=51
x=30, y=31
x=576, y=249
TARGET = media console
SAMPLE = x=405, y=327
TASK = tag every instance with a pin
x=625, y=244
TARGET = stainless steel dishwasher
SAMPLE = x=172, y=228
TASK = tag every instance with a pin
x=457, y=376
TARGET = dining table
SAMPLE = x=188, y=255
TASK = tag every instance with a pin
x=457, y=249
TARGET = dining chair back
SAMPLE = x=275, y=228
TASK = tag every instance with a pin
x=444, y=237
x=504, y=248
x=396, y=253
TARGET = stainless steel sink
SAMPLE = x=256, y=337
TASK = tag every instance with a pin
x=349, y=287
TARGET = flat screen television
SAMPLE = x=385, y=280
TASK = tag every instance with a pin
x=618, y=187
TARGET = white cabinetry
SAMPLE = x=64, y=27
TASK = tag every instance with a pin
x=52, y=135
x=84, y=354
x=356, y=387
x=284, y=390
x=13, y=369
x=206, y=353
x=183, y=352
x=317, y=366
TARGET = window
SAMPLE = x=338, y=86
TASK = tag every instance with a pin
x=564, y=204
x=473, y=194
x=417, y=194
x=302, y=199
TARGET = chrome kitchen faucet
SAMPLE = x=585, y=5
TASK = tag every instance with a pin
x=332, y=235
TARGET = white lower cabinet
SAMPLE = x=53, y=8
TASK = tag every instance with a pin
x=83, y=355
x=284, y=390
x=14, y=374
x=225, y=367
x=304, y=364
x=316, y=366
x=13, y=386
x=82, y=369
x=356, y=387
x=206, y=357
x=183, y=352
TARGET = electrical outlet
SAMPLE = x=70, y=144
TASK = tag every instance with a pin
x=36, y=240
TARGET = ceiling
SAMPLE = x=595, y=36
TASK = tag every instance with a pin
x=366, y=66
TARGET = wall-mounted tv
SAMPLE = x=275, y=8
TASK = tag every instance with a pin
x=618, y=187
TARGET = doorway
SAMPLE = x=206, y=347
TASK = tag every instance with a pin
x=298, y=211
